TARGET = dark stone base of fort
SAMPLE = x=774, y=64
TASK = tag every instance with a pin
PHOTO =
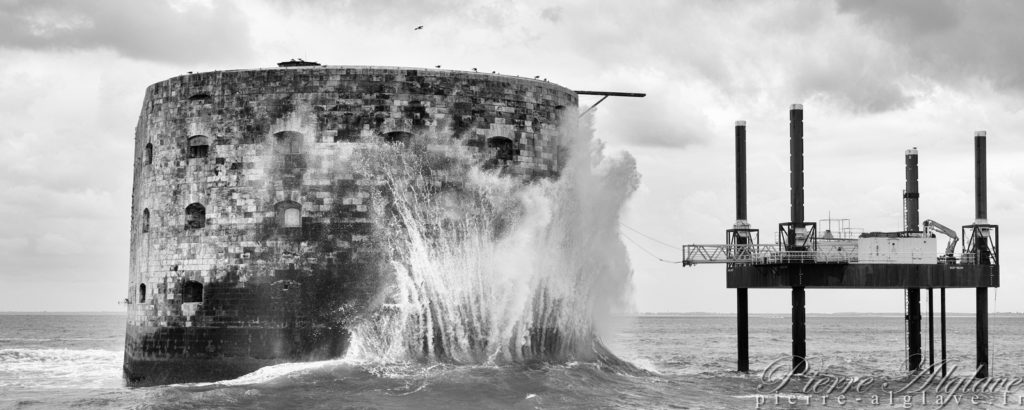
x=165, y=355
x=144, y=373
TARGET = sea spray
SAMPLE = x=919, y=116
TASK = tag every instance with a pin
x=491, y=264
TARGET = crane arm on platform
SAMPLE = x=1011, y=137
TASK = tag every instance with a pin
x=932, y=226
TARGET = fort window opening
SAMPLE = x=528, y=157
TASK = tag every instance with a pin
x=559, y=112
x=502, y=148
x=418, y=113
x=145, y=220
x=195, y=216
x=198, y=146
x=288, y=142
x=289, y=214
x=142, y=293
x=202, y=97
x=147, y=156
x=416, y=109
x=349, y=127
x=397, y=137
x=192, y=291
x=292, y=218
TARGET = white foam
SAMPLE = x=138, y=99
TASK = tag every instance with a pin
x=282, y=371
x=60, y=368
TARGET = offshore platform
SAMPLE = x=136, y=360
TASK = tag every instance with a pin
x=804, y=257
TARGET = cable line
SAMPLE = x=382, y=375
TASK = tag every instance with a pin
x=674, y=247
x=647, y=251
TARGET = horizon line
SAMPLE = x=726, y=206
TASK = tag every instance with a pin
x=111, y=312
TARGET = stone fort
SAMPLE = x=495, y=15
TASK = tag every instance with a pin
x=249, y=235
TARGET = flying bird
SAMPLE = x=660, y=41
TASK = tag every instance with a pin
x=536, y=77
x=437, y=66
x=418, y=28
x=474, y=69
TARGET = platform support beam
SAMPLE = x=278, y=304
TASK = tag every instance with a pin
x=982, y=320
x=799, y=331
x=914, y=357
x=742, y=342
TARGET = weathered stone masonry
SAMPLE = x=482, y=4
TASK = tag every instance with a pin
x=249, y=227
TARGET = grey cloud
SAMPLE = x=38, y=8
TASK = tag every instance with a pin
x=952, y=42
x=849, y=84
x=909, y=18
x=746, y=51
x=864, y=56
x=147, y=30
x=397, y=15
x=552, y=14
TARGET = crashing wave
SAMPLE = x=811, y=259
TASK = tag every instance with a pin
x=490, y=266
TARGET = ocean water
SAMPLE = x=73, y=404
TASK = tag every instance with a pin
x=74, y=361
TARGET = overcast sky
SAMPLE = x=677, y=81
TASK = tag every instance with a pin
x=875, y=78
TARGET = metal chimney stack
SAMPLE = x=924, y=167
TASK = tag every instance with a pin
x=911, y=195
x=980, y=180
x=796, y=164
x=741, y=174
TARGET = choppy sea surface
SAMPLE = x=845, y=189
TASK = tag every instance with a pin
x=74, y=361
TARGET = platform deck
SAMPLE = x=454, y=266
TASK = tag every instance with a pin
x=862, y=276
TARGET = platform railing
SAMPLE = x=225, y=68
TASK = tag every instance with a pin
x=768, y=254
x=726, y=253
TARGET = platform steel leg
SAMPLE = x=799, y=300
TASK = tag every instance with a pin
x=914, y=327
x=742, y=342
x=982, y=318
x=942, y=325
x=931, y=331
x=799, y=331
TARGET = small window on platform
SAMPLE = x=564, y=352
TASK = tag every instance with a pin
x=145, y=220
x=198, y=146
x=142, y=293
x=502, y=148
x=289, y=214
x=195, y=216
x=288, y=142
x=147, y=155
x=192, y=291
